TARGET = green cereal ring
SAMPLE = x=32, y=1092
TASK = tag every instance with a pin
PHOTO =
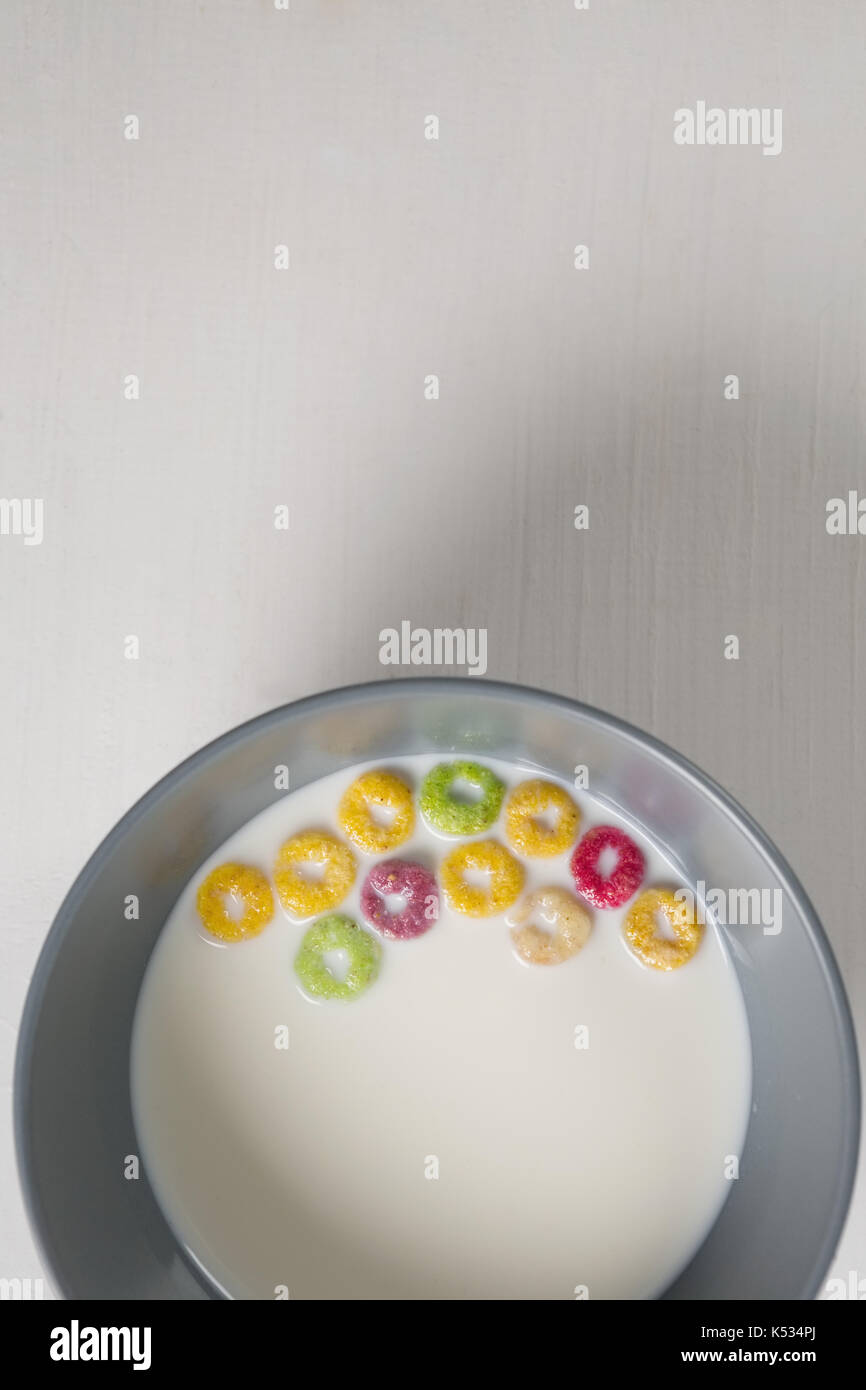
x=337, y=933
x=460, y=817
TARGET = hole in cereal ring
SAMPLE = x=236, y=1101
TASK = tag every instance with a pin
x=607, y=861
x=312, y=873
x=477, y=878
x=664, y=930
x=465, y=792
x=337, y=964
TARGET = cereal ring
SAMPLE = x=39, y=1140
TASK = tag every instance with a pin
x=337, y=933
x=626, y=878
x=304, y=897
x=526, y=804
x=642, y=934
x=506, y=878
x=356, y=818
x=403, y=879
x=570, y=923
x=460, y=817
x=240, y=882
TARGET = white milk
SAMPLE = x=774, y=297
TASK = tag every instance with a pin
x=440, y=1136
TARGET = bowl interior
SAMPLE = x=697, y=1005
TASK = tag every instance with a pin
x=100, y=1229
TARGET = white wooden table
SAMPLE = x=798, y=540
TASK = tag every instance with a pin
x=165, y=385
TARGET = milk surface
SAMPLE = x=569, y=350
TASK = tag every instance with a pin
x=470, y=1127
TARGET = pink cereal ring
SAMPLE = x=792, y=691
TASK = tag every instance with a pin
x=626, y=877
x=403, y=879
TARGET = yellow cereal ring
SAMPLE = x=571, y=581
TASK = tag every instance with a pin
x=306, y=897
x=529, y=801
x=642, y=934
x=567, y=930
x=506, y=878
x=247, y=885
x=356, y=817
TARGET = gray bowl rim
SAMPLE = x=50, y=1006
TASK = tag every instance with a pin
x=509, y=691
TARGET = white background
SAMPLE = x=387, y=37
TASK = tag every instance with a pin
x=305, y=387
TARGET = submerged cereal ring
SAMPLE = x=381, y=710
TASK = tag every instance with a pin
x=237, y=881
x=642, y=935
x=337, y=933
x=506, y=878
x=356, y=818
x=304, y=897
x=568, y=927
x=626, y=877
x=460, y=817
x=526, y=804
x=403, y=879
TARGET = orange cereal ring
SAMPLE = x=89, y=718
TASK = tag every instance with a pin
x=523, y=810
x=306, y=897
x=243, y=884
x=356, y=818
x=641, y=931
x=567, y=929
x=482, y=856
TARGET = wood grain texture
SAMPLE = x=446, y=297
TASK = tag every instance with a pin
x=306, y=387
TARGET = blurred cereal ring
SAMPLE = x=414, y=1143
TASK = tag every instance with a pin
x=244, y=883
x=356, y=817
x=523, y=809
x=627, y=876
x=506, y=878
x=304, y=897
x=460, y=817
x=403, y=879
x=337, y=933
x=568, y=927
x=642, y=935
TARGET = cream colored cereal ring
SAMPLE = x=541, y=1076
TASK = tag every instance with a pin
x=526, y=804
x=506, y=878
x=566, y=928
x=305, y=897
x=642, y=934
x=243, y=883
x=355, y=813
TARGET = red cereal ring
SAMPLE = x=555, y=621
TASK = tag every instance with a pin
x=402, y=879
x=627, y=876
